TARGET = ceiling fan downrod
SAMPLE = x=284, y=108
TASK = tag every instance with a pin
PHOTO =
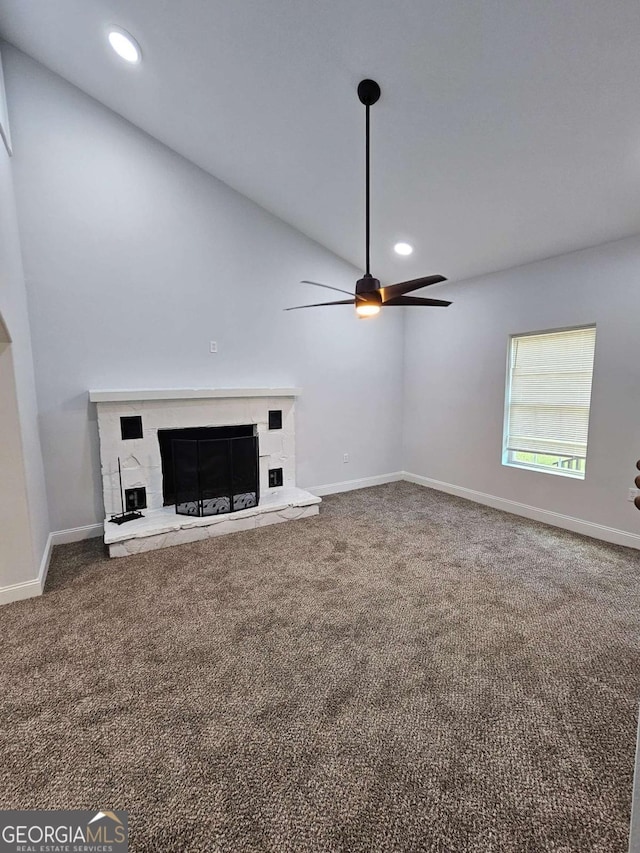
x=369, y=94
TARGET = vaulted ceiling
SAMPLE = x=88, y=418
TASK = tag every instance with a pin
x=507, y=131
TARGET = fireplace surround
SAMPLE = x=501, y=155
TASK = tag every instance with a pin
x=229, y=458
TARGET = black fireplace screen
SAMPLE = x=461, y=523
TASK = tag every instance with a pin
x=211, y=475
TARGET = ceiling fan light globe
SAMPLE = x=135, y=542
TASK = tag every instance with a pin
x=368, y=304
x=366, y=309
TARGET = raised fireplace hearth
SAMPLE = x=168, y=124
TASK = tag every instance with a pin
x=208, y=462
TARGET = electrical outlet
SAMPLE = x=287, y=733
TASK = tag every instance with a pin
x=345, y=458
x=213, y=346
x=633, y=494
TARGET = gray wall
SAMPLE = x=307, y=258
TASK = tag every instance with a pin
x=24, y=521
x=455, y=380
x=135, y=259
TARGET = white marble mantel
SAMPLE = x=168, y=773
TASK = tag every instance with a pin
x=140, y=394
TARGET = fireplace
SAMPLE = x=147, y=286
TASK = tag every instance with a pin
x=200, y=462
x=209, y=470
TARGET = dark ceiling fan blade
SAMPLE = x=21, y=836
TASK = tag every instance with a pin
x=320, y=304
x=415, y=300
x=330, y=287
x=408, y=286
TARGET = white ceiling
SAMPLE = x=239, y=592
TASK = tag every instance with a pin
x=507, y=131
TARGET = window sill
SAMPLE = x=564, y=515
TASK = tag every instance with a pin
x=572, y=475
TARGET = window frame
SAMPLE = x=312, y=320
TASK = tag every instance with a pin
x=525, y=466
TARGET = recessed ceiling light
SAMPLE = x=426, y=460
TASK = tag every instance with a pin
x=403, y=249
x=125, y=45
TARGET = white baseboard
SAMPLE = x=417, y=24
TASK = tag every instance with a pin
x=556, y=519
x=351, y=485
x=18, y=591
x=29, y=589
x=32, y=588
x=77, y=534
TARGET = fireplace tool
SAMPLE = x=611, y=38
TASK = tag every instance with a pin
x=122, y=517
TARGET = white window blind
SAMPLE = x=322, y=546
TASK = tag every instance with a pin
x=549, y=392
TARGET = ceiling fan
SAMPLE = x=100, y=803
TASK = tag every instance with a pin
x=369, y=297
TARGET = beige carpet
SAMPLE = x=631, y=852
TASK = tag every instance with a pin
x=406, y=672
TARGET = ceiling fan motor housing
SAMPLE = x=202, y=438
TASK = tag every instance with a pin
x=367, y=284
x=368, y=294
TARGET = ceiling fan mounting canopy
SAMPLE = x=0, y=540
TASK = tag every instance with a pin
x=369, y=296
x=368, y=92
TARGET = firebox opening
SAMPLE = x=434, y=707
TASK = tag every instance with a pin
x=209, y=470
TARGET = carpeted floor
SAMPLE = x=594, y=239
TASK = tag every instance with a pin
x=406, y=672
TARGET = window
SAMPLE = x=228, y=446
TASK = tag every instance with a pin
x=547, y=401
